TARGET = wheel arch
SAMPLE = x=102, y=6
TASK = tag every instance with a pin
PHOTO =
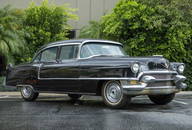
x=25, y=85
x=99, y=87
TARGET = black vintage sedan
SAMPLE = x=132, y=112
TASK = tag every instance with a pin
x=97, y=67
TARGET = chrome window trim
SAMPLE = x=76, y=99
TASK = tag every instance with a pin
x=56, y=45
x=59, y=45
x=47, y=49
x=77, y=43
x=69, y=45
x=102, y=41
x=95, y=56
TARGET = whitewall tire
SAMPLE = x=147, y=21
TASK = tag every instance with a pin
x=28, y=94
x=113, y=95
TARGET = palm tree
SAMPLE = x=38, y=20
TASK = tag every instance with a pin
x=93, y=30
x=11, y=33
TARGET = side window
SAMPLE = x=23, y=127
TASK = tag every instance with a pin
x=85, y=52
x=37, y=58
x=49, y=55
x=68, y=52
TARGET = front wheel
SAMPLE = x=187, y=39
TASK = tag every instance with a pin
x=162, y=99
x=113, y=96
x=28, y=93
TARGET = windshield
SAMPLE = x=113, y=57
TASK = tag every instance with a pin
x=96, y=49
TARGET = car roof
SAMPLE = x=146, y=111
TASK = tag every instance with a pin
x=78, y=41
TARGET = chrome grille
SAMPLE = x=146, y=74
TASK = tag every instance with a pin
x=162, y=79
x=155, y=65
x=162, y=76
x=164, y=83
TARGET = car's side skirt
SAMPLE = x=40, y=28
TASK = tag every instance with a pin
x=59, y=92
x=62, y=92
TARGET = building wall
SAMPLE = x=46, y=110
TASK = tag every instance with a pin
x=87, y=10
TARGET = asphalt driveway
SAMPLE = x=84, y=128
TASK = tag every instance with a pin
x=57, y=112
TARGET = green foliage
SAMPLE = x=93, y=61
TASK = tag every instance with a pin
x=11, y=33
x=151, y=27
x=183, y=7
x=93, y=30
x=46, y=23
x=146, y=31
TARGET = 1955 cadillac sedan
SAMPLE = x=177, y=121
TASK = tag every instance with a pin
x=97, y=67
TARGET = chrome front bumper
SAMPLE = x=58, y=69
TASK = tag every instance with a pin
x=146, y=78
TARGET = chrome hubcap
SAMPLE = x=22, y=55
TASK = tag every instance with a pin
x=113, y=92
x=26, y=91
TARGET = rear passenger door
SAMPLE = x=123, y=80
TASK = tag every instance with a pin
x=48, y=62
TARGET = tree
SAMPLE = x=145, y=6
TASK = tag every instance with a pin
x=46, y=23
x=11, y=33
x=147, y=31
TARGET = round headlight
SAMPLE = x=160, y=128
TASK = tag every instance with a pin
x=180, y=68
x=135, y=68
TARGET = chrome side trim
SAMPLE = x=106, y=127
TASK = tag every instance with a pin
x=111, y=78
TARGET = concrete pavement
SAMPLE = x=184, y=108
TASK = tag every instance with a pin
x=57, y=112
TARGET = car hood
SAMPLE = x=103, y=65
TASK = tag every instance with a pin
x=127, y=61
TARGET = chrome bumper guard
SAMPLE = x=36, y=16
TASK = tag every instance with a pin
x=142, y=89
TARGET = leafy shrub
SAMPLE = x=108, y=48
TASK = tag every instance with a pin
x=147, y=31
x=46, y=23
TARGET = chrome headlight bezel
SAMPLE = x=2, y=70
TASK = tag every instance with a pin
x=180, y=69
x=135, y=68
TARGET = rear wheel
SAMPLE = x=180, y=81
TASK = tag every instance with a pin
x=113, y=96
x=162, y=99
x=74, y=96
x=28, y=93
